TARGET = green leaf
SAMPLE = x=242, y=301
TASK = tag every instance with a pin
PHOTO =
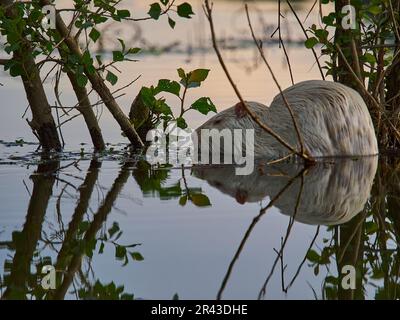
x=126, y=296
x=369, y=58
x=155, y=11
x=329, y=19
x=371, y=227
x=185, y=10
x=375, y=9
x=134, y=50
x=121, y=41
x=164, y=2
x=204, y=105
x=120, y=252
x=321, y=34
x=183, y=200
x=99, y=60
x=118, y=56
x=165, y=85
x=113, y=230
x=200, y=200
x=181, y=123
x=98, y=19
x=86, y=58
x=312, y=256
x=181, y=73
x=198, y=75
x=123, y=14
x=101, y=249
x=111, y=78
x=171, y=22
x=162, y=108
x=81, y=79
x=147, y=96
x=316, y=270
x=136, y=256
x=94, y=35
x=311, y=42
x=16, y=70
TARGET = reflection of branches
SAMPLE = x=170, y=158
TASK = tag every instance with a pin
x=85, y=193
x=99, y=218
x=303, y=261
x=253, y=116
x=250, y=229
x=283, y=243
x=27, y=239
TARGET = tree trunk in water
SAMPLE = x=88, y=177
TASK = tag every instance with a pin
x=42, y=123
x=85, y=108
x=98, y=83
x=139, y=115
x=351, y=253
x=393, y=88
x=349, y=43
x=26, y=241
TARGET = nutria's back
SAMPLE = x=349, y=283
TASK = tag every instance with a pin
x=333, y=120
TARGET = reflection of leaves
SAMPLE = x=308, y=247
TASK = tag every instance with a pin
x=120, y=252
x=113, y=230
x=167, y=193
x=312, y=256
x=183, y=200
x=152, y=183
x=149, y=180
x=136, y=256
x=200, y=200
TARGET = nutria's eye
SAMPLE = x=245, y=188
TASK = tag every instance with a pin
x=218, y=121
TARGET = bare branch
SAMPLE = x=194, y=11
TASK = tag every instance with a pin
x=208, y=11
x=299, y=137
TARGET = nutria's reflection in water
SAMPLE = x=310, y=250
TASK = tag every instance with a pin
x=333, y=192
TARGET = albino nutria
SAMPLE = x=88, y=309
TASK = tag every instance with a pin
x=333, y=120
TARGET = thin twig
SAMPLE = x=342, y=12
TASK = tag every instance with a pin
x=306, y=35
x=208, y=12
x=299, y=137
x=288, y=231
x=250, y=229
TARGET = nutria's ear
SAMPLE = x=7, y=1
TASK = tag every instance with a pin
x=240, y=111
